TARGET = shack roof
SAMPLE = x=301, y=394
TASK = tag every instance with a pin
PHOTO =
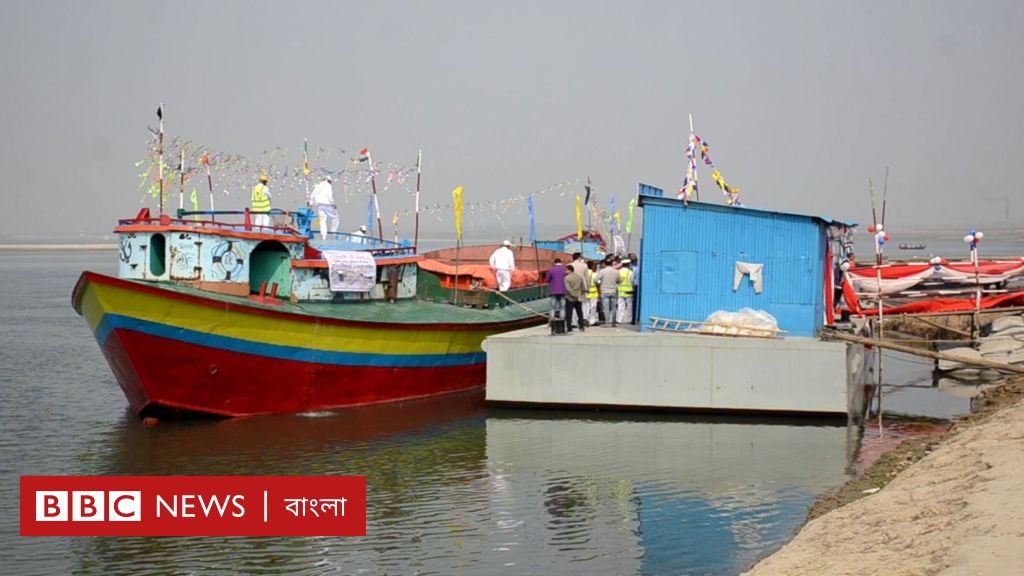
x=647, y=198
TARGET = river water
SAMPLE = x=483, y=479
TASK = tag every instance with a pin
x=453, y=487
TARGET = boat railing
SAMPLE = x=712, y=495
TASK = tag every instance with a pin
x=298, y=224
x=369, y=242
x=199, y=218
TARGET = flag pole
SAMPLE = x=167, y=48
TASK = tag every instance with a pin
x=878, y=285
x=209, y=183
x=160, y=155
x=885, y=193
x=416, y=234
x=458, y=245
x=181, y=179
x=457, y=209
x=629, y=221
x=376, y=204
x=693, y=161
x=533, y=237
x=590, y=223
x=305, y=166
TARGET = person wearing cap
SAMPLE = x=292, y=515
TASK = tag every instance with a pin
x=503, y=262
x=359, y=236
x=322, y=200
x=259, y=203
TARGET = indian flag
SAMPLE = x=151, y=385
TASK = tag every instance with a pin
x=364, y=155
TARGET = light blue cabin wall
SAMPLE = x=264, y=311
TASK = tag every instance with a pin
x=689, y=256
x=187, y=257
x=313, y=284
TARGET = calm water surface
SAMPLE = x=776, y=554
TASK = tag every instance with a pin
x=453, y=488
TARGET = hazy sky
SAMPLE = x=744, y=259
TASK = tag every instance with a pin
x=801, y=102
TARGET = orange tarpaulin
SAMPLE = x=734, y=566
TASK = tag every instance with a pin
x=475, y=275
x=951, y=304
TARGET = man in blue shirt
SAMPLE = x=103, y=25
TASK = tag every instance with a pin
x=555, y=279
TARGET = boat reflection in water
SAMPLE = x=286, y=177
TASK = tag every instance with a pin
x=454, y=487
x=654, y=497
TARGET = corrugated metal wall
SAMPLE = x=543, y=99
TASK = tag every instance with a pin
x=689, y=257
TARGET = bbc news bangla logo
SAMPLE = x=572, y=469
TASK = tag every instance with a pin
x=193, y=505
x=88, y=506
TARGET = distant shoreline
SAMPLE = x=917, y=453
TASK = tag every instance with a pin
x=55, y=247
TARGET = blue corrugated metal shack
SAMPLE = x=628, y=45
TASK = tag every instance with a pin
x=697, y=259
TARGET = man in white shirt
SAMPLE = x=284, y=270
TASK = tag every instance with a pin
x=503, y=262
x=322, y=200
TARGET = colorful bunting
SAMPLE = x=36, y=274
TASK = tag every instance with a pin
x=690, y=180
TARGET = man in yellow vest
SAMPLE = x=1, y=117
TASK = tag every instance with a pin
x=260, y=203
x=590, y=306
x=625, y=286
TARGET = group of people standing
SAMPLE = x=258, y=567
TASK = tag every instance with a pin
x=592, y=293
x=321, y=200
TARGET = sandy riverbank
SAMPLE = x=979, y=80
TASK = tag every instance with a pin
x=54, y=247
x=959, y=510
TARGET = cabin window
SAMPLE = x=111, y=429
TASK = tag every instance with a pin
x=679, y=272
x=157, y=254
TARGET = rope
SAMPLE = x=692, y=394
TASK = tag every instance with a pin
x=517, y=303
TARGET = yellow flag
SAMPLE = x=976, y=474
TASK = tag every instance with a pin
x=629, y=221
x=457, y=206
x=579, y=217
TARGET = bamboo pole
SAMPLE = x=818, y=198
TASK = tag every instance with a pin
x=696, y=190
x=209, y=184
x=416, y=234
x=937, y=325
x=181, y=179
x=536, y=259
x=878, y=283
x=376, y=205
x=458, y=260
x=160, y=156
x=926, y=353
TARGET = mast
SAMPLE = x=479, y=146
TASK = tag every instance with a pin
x=209, y=184
x=305, y=166
x=416, y=234
x=181, y=179
x=376, y=204
x=160, y=155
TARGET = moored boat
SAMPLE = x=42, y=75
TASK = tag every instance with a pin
x=233, y=319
